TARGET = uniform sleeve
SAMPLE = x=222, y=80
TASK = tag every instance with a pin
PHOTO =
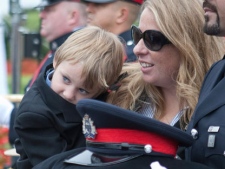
x=38, y=137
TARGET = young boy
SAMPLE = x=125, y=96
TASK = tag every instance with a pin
x=47, y=122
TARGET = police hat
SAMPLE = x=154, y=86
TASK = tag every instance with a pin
x=114, y=135
x=109, y=1
x=46, y=3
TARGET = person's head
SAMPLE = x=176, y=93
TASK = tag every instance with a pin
x=115, y=16
x=59, y=17
x=174, y=53
x=86, y=64
x=214, y=17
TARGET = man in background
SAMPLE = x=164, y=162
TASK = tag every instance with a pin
x=117, y=17
x=59, y=18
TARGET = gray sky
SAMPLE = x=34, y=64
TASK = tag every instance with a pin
x=4, y=5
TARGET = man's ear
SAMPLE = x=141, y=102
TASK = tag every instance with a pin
x=123, y=14
x=73, y=17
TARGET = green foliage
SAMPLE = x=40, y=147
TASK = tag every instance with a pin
x=23, y=82
x=29, y=20
x=32, y=20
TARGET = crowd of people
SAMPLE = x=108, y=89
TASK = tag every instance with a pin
x=126, y=83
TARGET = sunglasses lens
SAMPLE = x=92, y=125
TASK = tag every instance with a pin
x=153, y=40
x=136, y=34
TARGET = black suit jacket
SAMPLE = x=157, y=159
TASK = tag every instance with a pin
x=209, y=120
x=53, y=47
x=46, y=125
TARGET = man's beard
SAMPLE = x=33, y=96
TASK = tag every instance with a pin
x=213, y=29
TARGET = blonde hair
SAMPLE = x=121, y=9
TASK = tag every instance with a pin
x=101, y=53
x=181, y=21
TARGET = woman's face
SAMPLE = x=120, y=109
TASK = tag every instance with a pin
x=159, y=68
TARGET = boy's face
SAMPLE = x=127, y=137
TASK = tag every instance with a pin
x=69, y=84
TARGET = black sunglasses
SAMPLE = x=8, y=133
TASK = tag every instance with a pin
x=153, y=40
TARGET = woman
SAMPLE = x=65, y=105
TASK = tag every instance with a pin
x=174, y=55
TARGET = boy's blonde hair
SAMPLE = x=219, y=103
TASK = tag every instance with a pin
x=100, y=52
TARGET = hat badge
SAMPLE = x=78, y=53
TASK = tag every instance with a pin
x=89, y=129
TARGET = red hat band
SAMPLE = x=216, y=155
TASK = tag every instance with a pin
x=158, y=142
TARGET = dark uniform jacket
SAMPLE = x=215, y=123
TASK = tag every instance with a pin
x=131, y=57
x=46, y=124
x=208, y=122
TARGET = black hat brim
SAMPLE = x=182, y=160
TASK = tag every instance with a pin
x=89, y=158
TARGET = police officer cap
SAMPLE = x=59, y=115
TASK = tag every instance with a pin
x=109, y=1
x=46, y=3
x=114, y=135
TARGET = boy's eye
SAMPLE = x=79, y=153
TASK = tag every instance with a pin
x=65, y=79
x=83, y=91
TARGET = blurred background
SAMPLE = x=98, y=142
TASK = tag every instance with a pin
x=25, y=4
x=21, y=46
x=21, y=50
